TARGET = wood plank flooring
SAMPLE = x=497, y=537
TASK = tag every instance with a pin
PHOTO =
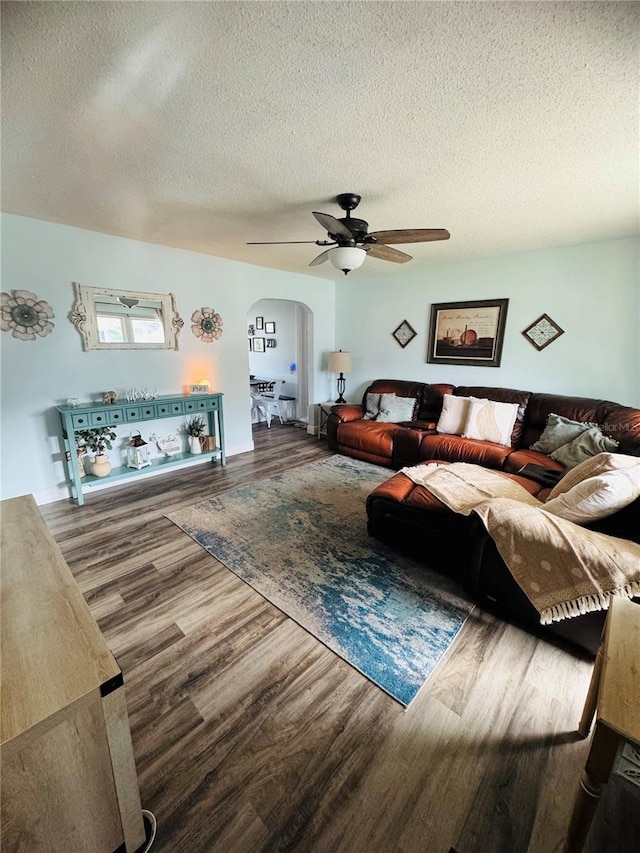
x=250, y=735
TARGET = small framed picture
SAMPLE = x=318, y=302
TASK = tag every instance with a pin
x=269, y=328
x=542, y=332
x=258, y=344
x=271, y=343
x=404, y=334
x=259, y=322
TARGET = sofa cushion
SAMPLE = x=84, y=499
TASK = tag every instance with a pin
x=597, y=497
x=394, y=409
x=584, y=446
x=372, y=406
x=454, y=415
x=501, y=395
x=593, y=467
x=488, y=420
x=558, y=431
x=368, y=436
x=454, y=448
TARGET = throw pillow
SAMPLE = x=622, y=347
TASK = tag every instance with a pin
x=597, y=497
x=372, y=407
x=489, y=420
x=558, y=431
x=587, y=444
x=394, y=409
x=592, y=467
x=454, y=414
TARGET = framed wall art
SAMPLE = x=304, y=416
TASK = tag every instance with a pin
x=269, y=328
x=271, y=343
x=258, y=344
x=404, y=334
x=542, y=332
x=468, y=333
x=259, y=322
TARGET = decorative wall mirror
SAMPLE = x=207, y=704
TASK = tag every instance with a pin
x=125, y=319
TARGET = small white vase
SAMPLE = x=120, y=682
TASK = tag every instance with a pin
x=100, y=465
x=194, y=444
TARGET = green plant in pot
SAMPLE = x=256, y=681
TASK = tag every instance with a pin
x=97, y=440
x=194, y=429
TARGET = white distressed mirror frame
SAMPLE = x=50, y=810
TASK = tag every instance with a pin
x=83, y=317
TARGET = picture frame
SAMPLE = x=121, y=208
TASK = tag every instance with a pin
x=404, y=334
x=259, y=322
x=269, y=328
x=542, y=332
x=271, y=343
x=258, y=344
x=469, y=333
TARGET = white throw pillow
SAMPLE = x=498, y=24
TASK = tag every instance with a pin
x=598, y=496
x=489, y=420
x=592, y=467
x=394, y=409
x=454, y=414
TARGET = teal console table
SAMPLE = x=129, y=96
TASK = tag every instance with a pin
x=76, y=418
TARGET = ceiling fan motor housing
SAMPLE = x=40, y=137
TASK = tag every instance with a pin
x=358, y=227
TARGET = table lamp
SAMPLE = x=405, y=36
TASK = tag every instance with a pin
x=340, y=362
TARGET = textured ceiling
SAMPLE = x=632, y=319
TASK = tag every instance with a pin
x=206, y=125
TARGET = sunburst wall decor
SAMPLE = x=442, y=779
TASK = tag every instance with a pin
x=206, y=325
x=26, y=316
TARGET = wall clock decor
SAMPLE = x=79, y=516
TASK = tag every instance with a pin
x=543, y=332
x=206, y=325
x=404, y=334
x=26, y=316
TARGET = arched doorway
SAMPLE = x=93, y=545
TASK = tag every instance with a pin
x=281, y=347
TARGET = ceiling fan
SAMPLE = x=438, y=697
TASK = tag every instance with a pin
x=353, y=242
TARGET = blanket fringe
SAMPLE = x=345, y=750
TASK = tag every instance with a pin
x=587, y=604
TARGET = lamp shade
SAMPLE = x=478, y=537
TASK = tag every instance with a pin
x=347, y=258
x=339, y=362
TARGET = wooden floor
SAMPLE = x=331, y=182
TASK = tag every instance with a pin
x=250, y=735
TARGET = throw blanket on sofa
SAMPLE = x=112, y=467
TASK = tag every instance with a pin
x=564, y=569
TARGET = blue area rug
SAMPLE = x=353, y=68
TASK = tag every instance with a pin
x=300, y=540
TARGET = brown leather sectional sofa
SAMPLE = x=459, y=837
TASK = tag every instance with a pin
x=414, y=441
x=409, y=518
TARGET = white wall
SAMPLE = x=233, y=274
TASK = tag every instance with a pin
x=592, y=291
x=38, y=375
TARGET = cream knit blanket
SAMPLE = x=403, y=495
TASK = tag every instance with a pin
x=564, y=569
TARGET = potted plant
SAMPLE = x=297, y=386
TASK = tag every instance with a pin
x=97, y=440
x=194, y=429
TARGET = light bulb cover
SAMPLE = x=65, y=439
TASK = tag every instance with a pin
x=347, y=258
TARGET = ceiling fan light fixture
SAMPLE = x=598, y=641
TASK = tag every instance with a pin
x=347, y=258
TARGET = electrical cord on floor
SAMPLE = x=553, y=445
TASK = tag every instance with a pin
x=153, y=824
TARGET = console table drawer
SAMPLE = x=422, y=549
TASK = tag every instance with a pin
x=140, y=413
x=97, y=419
x=205, y=405
x=81, y=421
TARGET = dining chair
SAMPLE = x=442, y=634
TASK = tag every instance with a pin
x=267, y=401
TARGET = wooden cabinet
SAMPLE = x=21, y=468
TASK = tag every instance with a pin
x=76, y=418
x=68, y=773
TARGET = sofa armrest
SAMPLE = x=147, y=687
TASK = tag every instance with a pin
x=344, y=413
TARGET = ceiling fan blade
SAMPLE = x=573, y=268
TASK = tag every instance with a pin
x=332, y=225
x=386, y=253
x=411, y=235
x=320, y=259
x=280, y=242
